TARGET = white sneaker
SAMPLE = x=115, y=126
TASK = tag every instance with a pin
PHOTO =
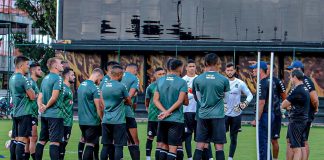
x=148, y=158
x=230, y=158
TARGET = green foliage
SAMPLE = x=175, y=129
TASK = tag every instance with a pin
x=37, y=52
x=42, y=12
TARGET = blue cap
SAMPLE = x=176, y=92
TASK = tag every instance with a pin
x=296, y=64
x=263, y=65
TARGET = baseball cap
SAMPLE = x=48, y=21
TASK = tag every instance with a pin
x=263, y=65
x=296, y=64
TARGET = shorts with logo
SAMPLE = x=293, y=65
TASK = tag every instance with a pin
x=34, y=121
x=276, y=127
x=67, y=133
x=152, y=127
x=190, y=122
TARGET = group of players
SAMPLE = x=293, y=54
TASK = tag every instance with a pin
x=207, y=105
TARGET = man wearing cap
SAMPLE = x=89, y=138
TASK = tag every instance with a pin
x=297, y=103
x=263, y=108
x=279, y=91
x=314, y=103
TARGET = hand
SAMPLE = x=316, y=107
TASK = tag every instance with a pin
x=253, y=123
x=289, y=108
x=316, y=111
x=42, y=108
x=243, y=105
x=164, y=115
x=225, y=108
x=146, y=108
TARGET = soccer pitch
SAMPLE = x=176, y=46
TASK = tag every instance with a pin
x=245, y=150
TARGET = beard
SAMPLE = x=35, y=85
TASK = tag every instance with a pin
x=71, y=81
x=38, y=76
x=230, y=75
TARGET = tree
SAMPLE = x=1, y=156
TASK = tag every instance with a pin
x=37, y=52
x=42, y=12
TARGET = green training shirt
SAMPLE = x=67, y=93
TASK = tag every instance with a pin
x=169, y=87
x=50, y=83
x=18, y=85
x=113, y=94
x=105, y=79
x=153, y=111
x=88, y=91
x=212, y=87
x=68, y=105
x=130, y=81
x=33, y=103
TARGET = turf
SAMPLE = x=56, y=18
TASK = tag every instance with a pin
x=246, y=143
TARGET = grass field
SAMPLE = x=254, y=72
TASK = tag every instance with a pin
x=246, y=149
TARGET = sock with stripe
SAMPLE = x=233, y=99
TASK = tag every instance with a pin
x=180, y=154
x=13, y=145
x=172, y=156
x=20, y=150
x=148, y=148
x=163, y=154
x=80, y=150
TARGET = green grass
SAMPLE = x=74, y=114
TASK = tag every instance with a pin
x=246, y=148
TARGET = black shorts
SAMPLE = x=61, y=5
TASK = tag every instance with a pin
x=190, y=122
x=276, y=127
x=52, y=129
x=170, y=133
x=131, y=122
x=114, y=134
x=233, y=124
x=307, y=130
x=152, y=127
x=295, y=134
x=211, y=130
x=34, y=121
x=91, y=134
x=67, y=133
x=22, y=126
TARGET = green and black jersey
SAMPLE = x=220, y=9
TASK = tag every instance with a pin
x=68, y=105
x=211, y=88
x=18, y=85
x=50, y=83
x=88, y=91
x=153, y=111
x=114, y=94
x=169, y=87
x=130, y=81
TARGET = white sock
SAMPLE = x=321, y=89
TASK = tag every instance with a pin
x=148, y=158
x=211, y=159
x=230, y=158
x=190, y=158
